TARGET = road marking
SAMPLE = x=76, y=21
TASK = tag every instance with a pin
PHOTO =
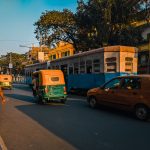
x=2, y=144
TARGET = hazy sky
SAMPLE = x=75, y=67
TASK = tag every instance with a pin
x=17, y=18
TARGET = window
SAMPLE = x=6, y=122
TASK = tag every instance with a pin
x=54, y=56
x=113, y=84
x=64, y=69
x=96, y=65
x=88, y=66
x=131, y=83
x=55, y=79
x=111, y=65
x=129, y=64
x=64, y=54
x=70, y=70
x=76, y=68
x=82, y=67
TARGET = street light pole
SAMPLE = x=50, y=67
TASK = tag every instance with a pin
x=10, y=63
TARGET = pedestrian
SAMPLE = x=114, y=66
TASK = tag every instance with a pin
x=34, y=85
x=2, y=95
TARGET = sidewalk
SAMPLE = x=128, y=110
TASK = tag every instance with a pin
x=2, y=144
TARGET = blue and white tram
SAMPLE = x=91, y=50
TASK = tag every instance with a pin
x=93, y=68
x=29, y=69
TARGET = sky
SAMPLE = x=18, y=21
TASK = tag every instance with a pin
x=17, y=18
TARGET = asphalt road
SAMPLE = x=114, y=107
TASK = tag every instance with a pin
x=25, y=125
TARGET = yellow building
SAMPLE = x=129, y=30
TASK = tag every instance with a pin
x=39, y=53
x=44, y=53
x=62, y=49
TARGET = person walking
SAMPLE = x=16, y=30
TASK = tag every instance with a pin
x=2, y=95
x=34, y=85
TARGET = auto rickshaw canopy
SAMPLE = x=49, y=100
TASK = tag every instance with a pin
x=50, y=77
x=5, y=78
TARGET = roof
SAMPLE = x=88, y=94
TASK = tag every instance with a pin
x=117, y=48
x=135, y=76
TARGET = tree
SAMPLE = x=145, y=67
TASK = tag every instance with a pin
x=17, y=61
x=54, y=26
x=109, y=22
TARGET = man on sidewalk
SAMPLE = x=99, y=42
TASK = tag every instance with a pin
x=2, y=95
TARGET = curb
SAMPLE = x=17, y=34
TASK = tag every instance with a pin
x=2, y=144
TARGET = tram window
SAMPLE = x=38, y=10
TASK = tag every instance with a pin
x=111, y=64
x=70, y=70
x=96, y=65
x=128, y=59
x=64, y=69
x=111, y=59
x=82, y=67
x=76, y=68
x=111, y=67
x=88, y=66
x=129, y=64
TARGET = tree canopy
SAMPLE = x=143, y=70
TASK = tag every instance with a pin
x=96, y=23
x=56, y=26
x=17, y=61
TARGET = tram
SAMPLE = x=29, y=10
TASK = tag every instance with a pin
x=93, y=68
x=29, y=69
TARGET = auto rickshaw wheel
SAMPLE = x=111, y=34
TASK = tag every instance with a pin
x=63, y=101
x=40, y=100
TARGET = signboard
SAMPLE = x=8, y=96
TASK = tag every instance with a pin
x=41, y=56
x=10, y=65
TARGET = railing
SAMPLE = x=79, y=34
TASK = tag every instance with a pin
x=19, y=79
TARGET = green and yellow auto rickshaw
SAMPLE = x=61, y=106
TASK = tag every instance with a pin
x=50, y=86
x=6, y=81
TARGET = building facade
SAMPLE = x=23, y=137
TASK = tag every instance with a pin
x=44, y=53
x=62, y=49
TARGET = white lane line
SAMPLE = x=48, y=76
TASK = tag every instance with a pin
x=2, y=144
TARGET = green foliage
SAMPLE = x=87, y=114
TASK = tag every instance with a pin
x=95, y=24
x=16, y=59
x=56, y=26
x=109, y=22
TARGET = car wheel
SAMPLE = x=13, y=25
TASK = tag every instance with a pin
x=92, y=102
x=141, y=112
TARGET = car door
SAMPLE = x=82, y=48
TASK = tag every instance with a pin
x=109, y=93
x=130, y=91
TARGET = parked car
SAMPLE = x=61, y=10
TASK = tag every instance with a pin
x=126, y=92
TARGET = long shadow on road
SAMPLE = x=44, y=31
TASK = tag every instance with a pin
x=20, y=97
x=22, y=87
x=88, y=129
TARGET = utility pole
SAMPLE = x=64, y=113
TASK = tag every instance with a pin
x=10, y=63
